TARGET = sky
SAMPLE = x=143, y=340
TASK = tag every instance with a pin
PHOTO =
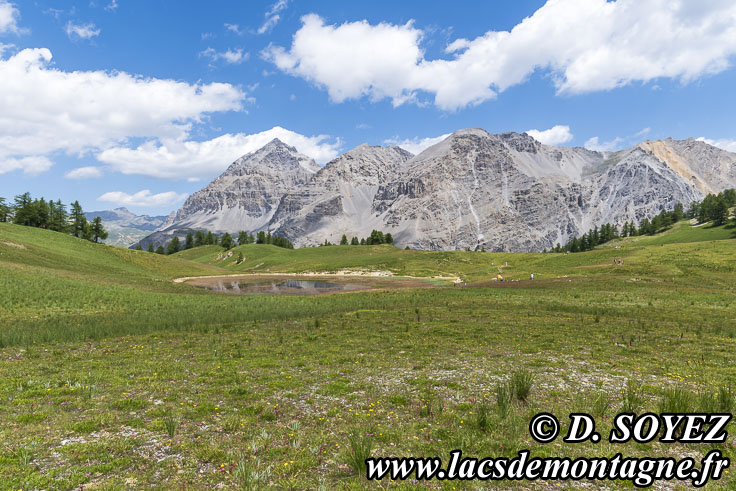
x=139, y=103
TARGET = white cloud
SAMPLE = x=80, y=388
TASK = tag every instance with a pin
x=44, y=110
x=88, y=172
x=608, y=146
x=31, y=166
x=585, y=45
x=181, y=159
x=272, y=16
x=112, y=6
x=9, y=15
x=416, y=145
x=81, y=31
x=235, y=28
x=232, y=56
x=142, y=198
x=556, y=135
x=724, y=143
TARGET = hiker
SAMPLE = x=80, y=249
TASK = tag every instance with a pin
x=531, y=276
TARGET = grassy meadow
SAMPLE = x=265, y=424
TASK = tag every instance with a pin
x=113, y=376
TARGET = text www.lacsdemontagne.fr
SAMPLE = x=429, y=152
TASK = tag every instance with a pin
x=640, y=471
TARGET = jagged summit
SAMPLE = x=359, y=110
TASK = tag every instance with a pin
x=474, y=189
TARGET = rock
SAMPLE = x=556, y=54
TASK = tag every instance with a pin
x=474, y=190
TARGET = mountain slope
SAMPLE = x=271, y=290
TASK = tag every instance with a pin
x=244, y=197
x=339, y=199
x=474, y=190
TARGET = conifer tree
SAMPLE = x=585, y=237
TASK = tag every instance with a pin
x=174, y=246
x=98, y=230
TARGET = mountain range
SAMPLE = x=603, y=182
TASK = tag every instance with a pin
x=125, y=228
x=473, y=190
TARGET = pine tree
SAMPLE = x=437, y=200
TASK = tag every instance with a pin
x=242, y=237
x=354, y=241
x=79, y=221
x=678, y=213
x=199, y=238
x=160, y=250
x=58, y=219
x=42, y=214
x=150, y=247
x=344, y=240
x=174, y=246
x=720, y=211
x=189, y=241
x=227, y=241
x=98, y=230
x=23, y=209
x=388, y=238
x=261, y=238
x=210, y=239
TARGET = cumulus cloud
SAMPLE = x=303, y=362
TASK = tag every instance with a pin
x=81, y=31
x=182, y=159
x=232, y=56
x=88, y=172
x=596, y=145
x=9, y=16
x=44, y=110
x=112, y=6
x=31, y=166
x=585, y=45
x=724, y=143
x=416, y=145
x=142, y=198
x=556, y=135
x=273, y=16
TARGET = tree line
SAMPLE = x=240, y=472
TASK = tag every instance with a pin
x=375, y=238
x=201, y=238
x=52, y=215
x=714, y=208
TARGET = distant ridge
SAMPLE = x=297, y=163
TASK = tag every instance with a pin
x=473, y=190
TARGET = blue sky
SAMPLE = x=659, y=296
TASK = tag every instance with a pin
x=139, y=103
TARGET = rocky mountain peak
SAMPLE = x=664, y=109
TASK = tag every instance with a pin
x=502, y=192
x=276, y=156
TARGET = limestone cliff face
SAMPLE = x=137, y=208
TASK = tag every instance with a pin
x=339, y=199
x=504, y=192
x=244, y=197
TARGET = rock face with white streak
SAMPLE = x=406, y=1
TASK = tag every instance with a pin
x=474, y=190
x=339, y=199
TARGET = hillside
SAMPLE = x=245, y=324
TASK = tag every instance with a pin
x=112, y=370
x=55, y=286
x=684, y=240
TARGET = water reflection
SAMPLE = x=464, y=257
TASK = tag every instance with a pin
x=277, y=286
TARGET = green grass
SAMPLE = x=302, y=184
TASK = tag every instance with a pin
x=113, y=376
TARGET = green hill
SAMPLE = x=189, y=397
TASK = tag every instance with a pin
x=115, y=377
